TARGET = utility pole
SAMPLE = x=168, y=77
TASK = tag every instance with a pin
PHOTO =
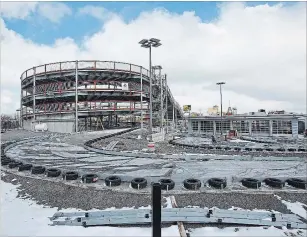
x=220, y=84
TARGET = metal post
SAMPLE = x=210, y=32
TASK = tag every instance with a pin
x=173, y=115
x=221, y=110
x=150, y=95
x=161, y=99
x=21, y=108
x=76, y=98
x=142, y=98
x=34, y=92
x=156, y=210
x=166, y=105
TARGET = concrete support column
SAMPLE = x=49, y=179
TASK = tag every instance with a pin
x=230, y=125
x=198, y=130
x=214, y=128
x=294, y=125
x=250, y=122
x=189, y=126
x=271, y=127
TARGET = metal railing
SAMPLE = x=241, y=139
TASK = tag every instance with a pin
x=84, y=65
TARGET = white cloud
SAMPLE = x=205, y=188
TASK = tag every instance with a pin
x=98, y=12
x=19, y=10
x=260, y=52
x=54, y=11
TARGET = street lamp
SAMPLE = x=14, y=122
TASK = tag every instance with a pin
x=220, y=84
x=159, y=67
x=149, y=43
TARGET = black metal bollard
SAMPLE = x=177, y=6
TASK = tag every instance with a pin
x=156, y=210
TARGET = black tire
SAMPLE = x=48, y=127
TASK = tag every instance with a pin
x=25, y=167
x=292, y=149
x=112, y=181
x=210, y=147
x=251, y=183
x=38, y=169
x=302, y=149
x=237, y=148
x=192, y=184
x=217, y=183
x=139, y=183
x=258, y=149
x=281, y=149
x=227, y=148
x=89, y=178
x=269, y=149
x=218, y=148
x=248, y=149
x=14, y=164
x=297, y=183
x=53, y=172
x=70, y=175
x=167, y=184
x=6, y=161
x=275, y=183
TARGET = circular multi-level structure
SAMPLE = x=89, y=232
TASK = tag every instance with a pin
x=105, y=91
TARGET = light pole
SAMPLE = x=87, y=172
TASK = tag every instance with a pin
x=159, y=67
x=220, y=84
x=149, y=43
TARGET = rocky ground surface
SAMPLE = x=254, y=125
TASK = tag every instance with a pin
x=62, y=196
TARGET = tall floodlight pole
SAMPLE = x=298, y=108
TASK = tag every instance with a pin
x=159, y=67
x=149, y=43
x=76, y=97
x=220, y=84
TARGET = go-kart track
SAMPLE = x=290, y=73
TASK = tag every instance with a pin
x=51, y=155
x=67, y=153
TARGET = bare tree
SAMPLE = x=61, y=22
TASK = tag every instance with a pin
x=9, y=122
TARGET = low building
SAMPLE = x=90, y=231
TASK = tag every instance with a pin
x=253, y=125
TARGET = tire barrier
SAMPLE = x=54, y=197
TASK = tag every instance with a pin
x=167, y=184
x=25, y=167
x=192, y=184
x=274, y=183
x=251, y=183
x=217, y=147
x=5, y=161
x=297, y=183
x=38, y=170
x=112, y=181
x=70, y=175
x=14, y=164
x=53, y=172
x=217, y=183
x=89, y=178
x=89, y=143
x=281, y=149
x=139, y=183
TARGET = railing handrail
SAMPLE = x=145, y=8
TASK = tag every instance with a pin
x=83, y=61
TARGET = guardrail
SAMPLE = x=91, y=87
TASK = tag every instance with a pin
x=84, y=65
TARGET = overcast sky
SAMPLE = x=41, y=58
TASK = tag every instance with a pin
x=259, y=50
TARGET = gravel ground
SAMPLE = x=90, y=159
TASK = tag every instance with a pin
x=64, y=196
